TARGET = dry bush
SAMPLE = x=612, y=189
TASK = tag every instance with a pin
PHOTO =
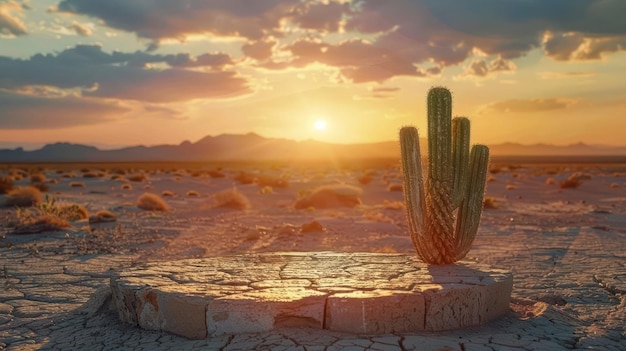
x=393, y=205
x=313, y=226
x=511, y=187
x=329, y=196
x=151, y=202
x=137, y=177
x=365, y=179
x=43, y=187
x=489, y=202
x=49, y=215
x=274, y=182
x=244, y=178
x=266, y=190
x=550, y=181
x=216, y=174
x=147, y=186
x=574, y=180
x=395, y=187
x=491, y=178
x=167, y=193
x=37, y=178
x=23, y=197
x=231, y=198
x=614, y=185
x=6, y=184
x=127, y=187
x=103, y=216
x=196, y=174
x=378, y=217
x=193, y=193
x=77, y=185
x=93, y=174
x=118, y=177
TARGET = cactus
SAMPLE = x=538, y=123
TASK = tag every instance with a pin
x=454, y=186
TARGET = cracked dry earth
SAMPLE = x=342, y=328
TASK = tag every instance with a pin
x=566, y=249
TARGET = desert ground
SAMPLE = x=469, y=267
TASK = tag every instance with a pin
x=560, y=228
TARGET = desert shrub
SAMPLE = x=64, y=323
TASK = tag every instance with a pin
x=127, y=186
x=50, y=215
x=137, y=177
x=6, y=184
x=313, y=226
x=193, y=193
x=151, y=202
x=614, y=185
x=574, y=180
x=491, y=178
x=244, y=178
x=118, y=177
x=550, y=181
x=43, y=187
x=23, y=197
x=511, y=187
x=85, y=170
x=231, y=198
x=266, y=190
x=103, y=216
x=216, y=174
x=93, y=174
x=489, y=202
x=393, y=205
x=274, y=182
x=329, y=196
x=147, y=186
x=196, y=174
x=365, y=179
x=167, y=193
x=37, y=178
x=395, y=187
x=77, y=185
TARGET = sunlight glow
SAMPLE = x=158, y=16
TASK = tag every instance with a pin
x=320, y=125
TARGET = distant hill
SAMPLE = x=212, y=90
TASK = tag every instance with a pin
x=253, y=147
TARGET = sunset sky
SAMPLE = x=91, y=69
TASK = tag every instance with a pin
x=126, y=72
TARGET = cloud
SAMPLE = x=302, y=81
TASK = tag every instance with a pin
x=319, y=16
x=480, y=68
x=10, y=23
x=358, y=60
x=21, y=111
x=564, y=75
x=384, y=89
x=125, y=75
x=80, y=29
x=529, y=105
x=157, y=19
x=259, y=50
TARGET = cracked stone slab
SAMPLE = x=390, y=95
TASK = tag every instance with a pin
x=361, y=293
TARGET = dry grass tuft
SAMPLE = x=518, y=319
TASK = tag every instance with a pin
x=137, y=177
x=43, y=187
x=77, y=185
x=266, y=190
x=491, y=178
x=231, y=198
x=193, y=193
x=395, y=187
x=574, y=180
x=489, y=202
x=6, y=184
x=329, y=196
x=23, y=197
x=216, y=174
x=151, y=202
x=550, y=181
x=313, y=226
x=244, y=178
x=614, y=185
x=127, y=187
x=365, y=179
x=167, y=193
x=37, y=178
x=511, y=187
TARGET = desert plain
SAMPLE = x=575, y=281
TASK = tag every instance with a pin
x=560, y=228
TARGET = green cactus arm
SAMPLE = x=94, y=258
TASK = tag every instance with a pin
x=471, y=208
x=439, y=105
x=460, y=159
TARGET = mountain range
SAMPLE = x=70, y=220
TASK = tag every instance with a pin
x=253, y=147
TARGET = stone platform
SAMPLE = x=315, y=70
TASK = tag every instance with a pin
x=361, y=293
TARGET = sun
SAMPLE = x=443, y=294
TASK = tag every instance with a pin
x=320, y=125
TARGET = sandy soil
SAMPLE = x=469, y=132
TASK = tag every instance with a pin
x=566, y=247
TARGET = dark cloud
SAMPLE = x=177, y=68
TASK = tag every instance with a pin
x=259, y=50
x=158, y=19
x=20, y=111
x=10, y=24
x=530, y=105
x=124, y=75
x=320, y=16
